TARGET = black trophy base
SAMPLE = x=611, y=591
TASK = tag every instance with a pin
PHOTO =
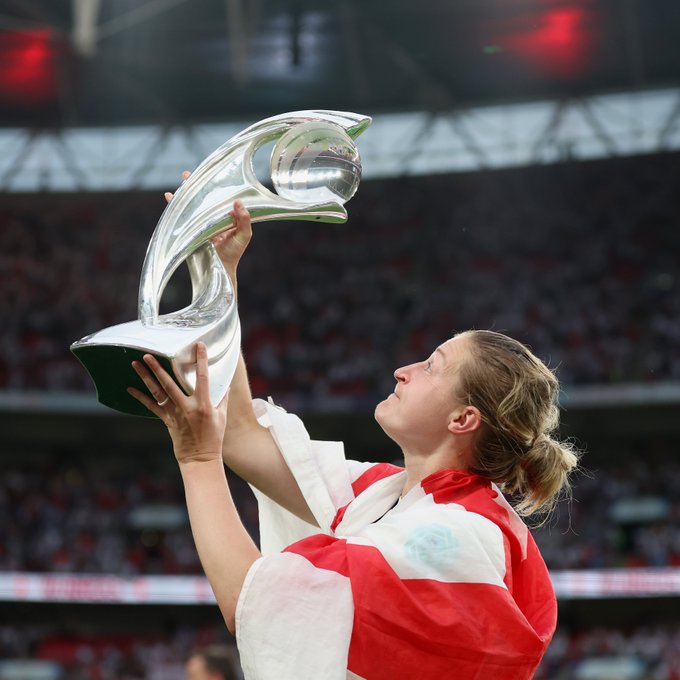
x=110, y=367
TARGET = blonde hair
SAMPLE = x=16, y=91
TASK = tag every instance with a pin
x=516, y=394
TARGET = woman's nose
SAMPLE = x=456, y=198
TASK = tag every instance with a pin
x=401, y=373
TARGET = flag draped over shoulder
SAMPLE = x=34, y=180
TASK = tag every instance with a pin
x=445, y=582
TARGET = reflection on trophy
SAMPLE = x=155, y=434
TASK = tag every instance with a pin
x=315, y=168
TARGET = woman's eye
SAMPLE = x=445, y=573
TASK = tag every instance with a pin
x=428, y=365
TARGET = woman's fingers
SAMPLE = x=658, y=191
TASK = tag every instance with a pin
x=242, y=219
x=202, y=379
x=147, y=401
x=168, y=194
x=154, y=387
x=162, y=386
x=232, y=242
x=223, y=236
x=195, y=426
x=168, y=385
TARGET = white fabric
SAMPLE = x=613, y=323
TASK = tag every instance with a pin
x=423, y=540
x=266, y=640
x=294, y=620
x=319, y=469
x=372, y=504
x=269, y=646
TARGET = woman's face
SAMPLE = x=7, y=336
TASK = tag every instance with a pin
x=417, y=413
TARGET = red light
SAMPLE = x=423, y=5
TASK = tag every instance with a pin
x=27, y=71
x=561, y=29
x=558, y=42
x=34, y=55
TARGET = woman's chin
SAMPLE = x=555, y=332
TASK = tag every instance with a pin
x=381, y=416
x=380, y=407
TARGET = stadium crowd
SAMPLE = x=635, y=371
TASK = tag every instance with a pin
x=579, y=261
x=625, y=513
x=105, y=517
x=650, y=652
x=93, y=655
x=112, y=517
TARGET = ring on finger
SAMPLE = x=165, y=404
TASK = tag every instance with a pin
x=165, y=401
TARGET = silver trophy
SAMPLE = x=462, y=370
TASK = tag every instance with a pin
x=315, y=168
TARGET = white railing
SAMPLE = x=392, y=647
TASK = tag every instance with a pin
x=195, y=590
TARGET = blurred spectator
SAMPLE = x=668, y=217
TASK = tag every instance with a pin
x=212, y=663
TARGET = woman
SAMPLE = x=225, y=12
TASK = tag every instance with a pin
x=372, y=570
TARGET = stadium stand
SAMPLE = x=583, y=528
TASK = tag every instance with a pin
x=521, y=251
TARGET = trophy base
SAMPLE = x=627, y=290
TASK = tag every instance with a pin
x=110, y=367
x=108, y=356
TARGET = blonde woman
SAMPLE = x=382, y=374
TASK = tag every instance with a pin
x=372, y=570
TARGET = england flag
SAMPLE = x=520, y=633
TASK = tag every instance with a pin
x=444, y=582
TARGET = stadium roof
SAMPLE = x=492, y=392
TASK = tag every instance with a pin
x=168, y=62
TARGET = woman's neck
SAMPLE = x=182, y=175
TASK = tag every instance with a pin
x=418, y=467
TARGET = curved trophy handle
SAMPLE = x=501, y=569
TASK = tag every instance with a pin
x=200, y=208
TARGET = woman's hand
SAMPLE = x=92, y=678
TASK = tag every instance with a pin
x=195, y=425
x=231, y=243
x=197, y=428
x=168, y=194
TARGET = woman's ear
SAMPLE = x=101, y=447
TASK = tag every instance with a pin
x=465, y=420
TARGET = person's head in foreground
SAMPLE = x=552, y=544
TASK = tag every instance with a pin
x=213, y=663
x=483, y=402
